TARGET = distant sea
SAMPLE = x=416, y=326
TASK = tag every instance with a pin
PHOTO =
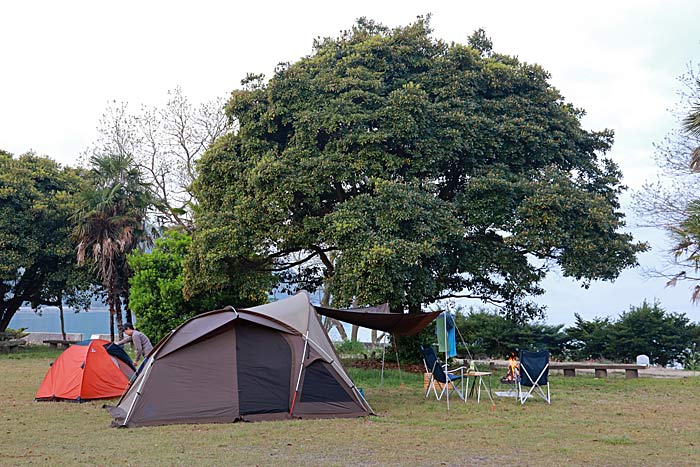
x=48, y=320
x=96, y=321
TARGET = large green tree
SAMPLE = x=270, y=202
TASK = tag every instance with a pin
x=37, y=257
x=392, y=166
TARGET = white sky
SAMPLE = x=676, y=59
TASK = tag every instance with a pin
x=62, y=62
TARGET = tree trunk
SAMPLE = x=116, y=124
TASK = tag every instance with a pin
x=110, y=302
x=127, y=311
x=375, y=340
x=354, y=332
x=7, y=311
x=6, y=314
x=118, y=315
x=330, y=322
x=326, y=297
x=111, y=322
x=341, y=330
x=60, y=315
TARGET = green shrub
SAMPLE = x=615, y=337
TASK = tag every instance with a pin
x=347, y=347
x=488, y=334
x=646, y=329
x=156, y=288
x=10, y=333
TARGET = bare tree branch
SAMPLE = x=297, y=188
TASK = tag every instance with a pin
x=165, y=144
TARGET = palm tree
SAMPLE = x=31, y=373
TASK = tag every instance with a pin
x=691, y=125
x=109, y=224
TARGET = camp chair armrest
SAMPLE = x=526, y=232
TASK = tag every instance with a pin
x=454, y=370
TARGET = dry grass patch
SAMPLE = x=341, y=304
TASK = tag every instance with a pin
x=590, y=422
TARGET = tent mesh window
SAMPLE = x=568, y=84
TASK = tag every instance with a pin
x=321, y=386
x=264, y=360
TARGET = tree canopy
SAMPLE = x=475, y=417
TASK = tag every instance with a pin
x=37, y=257
x=391, y=166
x=156, y=288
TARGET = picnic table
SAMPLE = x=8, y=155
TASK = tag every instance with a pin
x=10, y=345
x=56, y=343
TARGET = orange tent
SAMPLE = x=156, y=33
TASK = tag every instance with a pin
x=92, y=369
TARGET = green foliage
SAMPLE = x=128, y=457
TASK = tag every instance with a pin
x=10, y=333
x=649, y=329
x=490, y=334
x=348, y=347
x=590, y=339
x=156, y=288
x=37, y=264
x=392, y=166
x=646, y=329
x=408, y=347
x=692, y=361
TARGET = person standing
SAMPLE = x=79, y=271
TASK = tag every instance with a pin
x=141, y=342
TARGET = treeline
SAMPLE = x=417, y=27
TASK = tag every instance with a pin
x=646, y=329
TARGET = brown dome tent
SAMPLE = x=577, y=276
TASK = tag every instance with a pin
x=268, y=362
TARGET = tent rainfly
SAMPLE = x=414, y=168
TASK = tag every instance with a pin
x=269, y=362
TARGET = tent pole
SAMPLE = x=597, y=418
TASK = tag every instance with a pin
x=396, y=349
x=138, y=391
x=381, y=380
x=334, y=362
x=301, y=368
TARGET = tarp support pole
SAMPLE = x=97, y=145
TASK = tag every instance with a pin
x=398, y=364
x=381, y=380
x=447, y=375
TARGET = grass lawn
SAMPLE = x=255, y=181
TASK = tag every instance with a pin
x=590, y=422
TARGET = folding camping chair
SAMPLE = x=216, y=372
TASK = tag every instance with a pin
x=534, y=373
x=439, y=372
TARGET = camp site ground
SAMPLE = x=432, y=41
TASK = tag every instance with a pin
x=612, y=421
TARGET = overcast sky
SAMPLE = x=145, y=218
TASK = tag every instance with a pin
x=62, y=62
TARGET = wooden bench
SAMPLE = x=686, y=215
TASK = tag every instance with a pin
x=600, y=369
x=10, y=345
x=56, y=343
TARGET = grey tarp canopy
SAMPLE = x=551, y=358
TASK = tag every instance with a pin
x=268, y=362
